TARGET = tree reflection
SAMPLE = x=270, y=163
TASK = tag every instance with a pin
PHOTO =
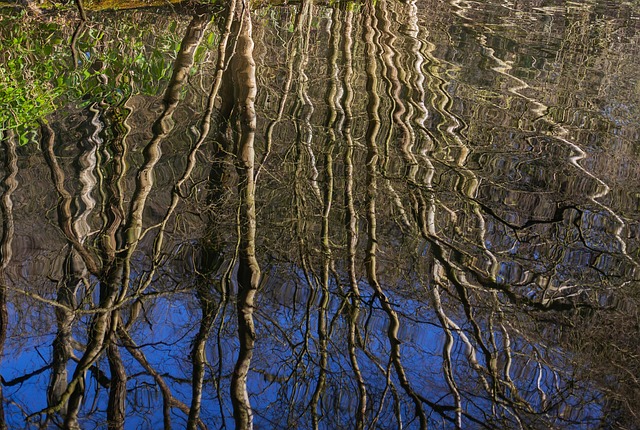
x=9, y=184
x=369, y=215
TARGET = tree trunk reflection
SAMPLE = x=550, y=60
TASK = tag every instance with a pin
x=244, y=78
x=9, y=185
x=358, y=215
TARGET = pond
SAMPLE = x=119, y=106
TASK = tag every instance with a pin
x=320, y=215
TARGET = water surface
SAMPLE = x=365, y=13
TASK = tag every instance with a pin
x=418, y=214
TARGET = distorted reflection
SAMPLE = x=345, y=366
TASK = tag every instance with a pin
x=372, y=214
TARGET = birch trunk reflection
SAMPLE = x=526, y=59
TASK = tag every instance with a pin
x=212, y=248
x=111, y=175
x=442, y=240
x=352, y=220
x=244, y=74
x=67, y=398
x=9, y=185
x=74, y=276
x=161, y=128
x=164, y=124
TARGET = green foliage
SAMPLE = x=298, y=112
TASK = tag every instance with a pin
x=29, y=80
x=119, y=58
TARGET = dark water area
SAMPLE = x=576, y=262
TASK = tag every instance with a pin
x=364, y=215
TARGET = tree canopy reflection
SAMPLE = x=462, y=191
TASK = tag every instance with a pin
x=361, y=215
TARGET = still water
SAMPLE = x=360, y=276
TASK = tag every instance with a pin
x=365, y=215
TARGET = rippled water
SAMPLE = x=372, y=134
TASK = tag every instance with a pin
x=361, y=215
